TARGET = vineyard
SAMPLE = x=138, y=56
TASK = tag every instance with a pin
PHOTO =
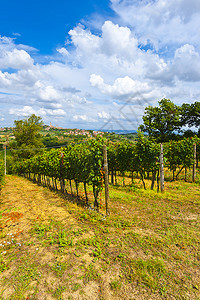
x=83, y=163
x=147, y=247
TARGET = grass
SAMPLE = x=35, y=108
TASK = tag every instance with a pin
x=147, y=248
x=148, y=272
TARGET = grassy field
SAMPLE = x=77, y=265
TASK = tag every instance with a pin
x=147, y=248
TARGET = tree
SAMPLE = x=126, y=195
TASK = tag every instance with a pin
x=190, y=114
x=161, y=122
x=27, y=136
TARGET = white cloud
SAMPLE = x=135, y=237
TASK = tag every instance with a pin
x=22, y=79
x=28, y=110
x=121, y=87
x=16, y=34
x=84, y=118
x=86, y=43
x=77, y=100
x=25, y=111
x=118, y=41
x=55, y=105
x=16, y=59
x=103, y=115
x=161, y=22
x=150, y=50
x=115, y=46
x=63, y=51
x=55, y=112
x=80, y=117
x=4, y=81
x=186, y=64
x=46, y=92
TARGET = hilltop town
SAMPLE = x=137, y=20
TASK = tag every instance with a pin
x=74, y=131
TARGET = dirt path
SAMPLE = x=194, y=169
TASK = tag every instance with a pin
x=24, y=257
x=29, y=203
x=33, y=262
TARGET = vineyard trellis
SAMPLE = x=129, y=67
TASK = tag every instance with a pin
x=143, y=157
x=83, y=163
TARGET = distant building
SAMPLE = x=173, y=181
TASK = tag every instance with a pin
x=95, y=133
x=52, y=127
x=76, y=131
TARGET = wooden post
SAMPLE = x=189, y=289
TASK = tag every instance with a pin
x=62, y=180
x=112, y=177
x=4, y=146
x=106, y=178
x=194, y=164
x=161, y=169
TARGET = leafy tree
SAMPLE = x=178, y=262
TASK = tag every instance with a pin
x=27, y=136
x=190, y=114
x=161, y=122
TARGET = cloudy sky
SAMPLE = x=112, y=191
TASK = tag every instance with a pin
x=96, y=64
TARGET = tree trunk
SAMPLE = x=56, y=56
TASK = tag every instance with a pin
x=179, y=172
x=86, y=196
x=158, y=181
x=96, y=204
x=112, y=177
x=53, y=183
x=123, y=178
x=173, y=175
x=56, y=184
x=62, y=185
x=70, y=182
x=153, y=179
x=76, y=183
x=115, y=177
x=142, y=177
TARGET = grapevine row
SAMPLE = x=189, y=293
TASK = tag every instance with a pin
x=83, y=163
x=143, y=157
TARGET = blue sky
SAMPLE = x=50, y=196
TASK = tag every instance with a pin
x=44, y=24
x=96, y=65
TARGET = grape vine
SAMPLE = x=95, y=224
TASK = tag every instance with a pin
x=83, y=163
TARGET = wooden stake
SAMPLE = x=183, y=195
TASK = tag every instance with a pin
x=194, y=164
x=161, y=169
x=4, y=158
x=106, y=178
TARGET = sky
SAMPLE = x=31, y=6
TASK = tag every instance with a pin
x=96, y=64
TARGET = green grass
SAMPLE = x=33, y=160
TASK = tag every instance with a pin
x=149, y=243
x=147, y=272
